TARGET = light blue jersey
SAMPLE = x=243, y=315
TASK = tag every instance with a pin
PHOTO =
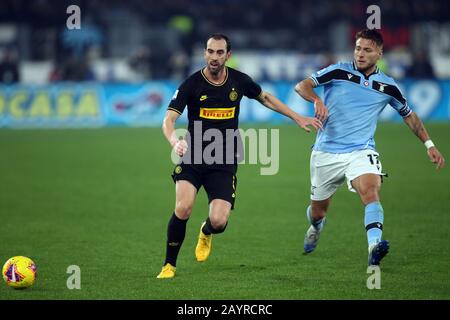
x=354, y=104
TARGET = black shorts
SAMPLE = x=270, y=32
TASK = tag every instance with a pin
x=219, y=181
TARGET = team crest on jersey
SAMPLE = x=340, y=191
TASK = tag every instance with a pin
x=178, y=169
x=233, y=95
x=382, y=86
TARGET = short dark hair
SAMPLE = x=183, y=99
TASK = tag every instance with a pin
x=219, y=36
x=371, y=34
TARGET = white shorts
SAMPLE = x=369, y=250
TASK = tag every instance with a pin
x=328, y=170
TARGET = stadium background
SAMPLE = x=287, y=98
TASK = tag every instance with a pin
x=88, y=182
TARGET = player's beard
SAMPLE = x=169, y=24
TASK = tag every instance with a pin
x=216, y=70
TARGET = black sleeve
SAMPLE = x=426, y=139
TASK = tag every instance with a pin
x=252, y=90
x=180, y=97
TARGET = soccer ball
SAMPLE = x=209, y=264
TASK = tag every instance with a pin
x=19, y=272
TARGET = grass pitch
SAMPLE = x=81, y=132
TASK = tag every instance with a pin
x=101, y=199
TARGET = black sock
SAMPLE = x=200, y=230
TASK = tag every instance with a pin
x=176, y=230
x=208, y=228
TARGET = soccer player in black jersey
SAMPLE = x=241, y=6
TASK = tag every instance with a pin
x=212, y=96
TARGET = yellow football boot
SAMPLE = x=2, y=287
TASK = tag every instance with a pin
x=203, y=248
x=167, y=272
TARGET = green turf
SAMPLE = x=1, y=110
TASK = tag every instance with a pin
x=101, y=199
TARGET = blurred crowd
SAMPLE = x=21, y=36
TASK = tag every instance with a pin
x=157, y=39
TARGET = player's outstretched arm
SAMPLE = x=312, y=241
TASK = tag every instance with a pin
x=271, y=102
x=305, y=89
x=416, y=126
x=168, y=128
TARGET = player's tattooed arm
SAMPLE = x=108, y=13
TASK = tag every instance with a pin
x=305, y=89
x=416, y=126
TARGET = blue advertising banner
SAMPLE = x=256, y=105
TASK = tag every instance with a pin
x=72, y=105
x=63, y=105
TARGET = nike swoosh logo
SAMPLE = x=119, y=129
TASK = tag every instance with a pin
x=203, y=98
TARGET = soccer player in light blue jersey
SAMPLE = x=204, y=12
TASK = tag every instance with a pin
x=355, y=94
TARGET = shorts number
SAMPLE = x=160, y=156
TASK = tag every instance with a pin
x=372, y=157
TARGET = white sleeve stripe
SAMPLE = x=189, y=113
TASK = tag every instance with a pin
x=410, y=111
x=315, y=81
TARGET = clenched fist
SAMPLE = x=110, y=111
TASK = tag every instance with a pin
x=180, y=147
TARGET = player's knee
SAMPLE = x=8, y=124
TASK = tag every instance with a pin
x=370, y=193
x=183, y=210
x=219, y=224
x=318, y=212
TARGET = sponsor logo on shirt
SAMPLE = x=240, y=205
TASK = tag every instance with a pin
x=217, y=113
